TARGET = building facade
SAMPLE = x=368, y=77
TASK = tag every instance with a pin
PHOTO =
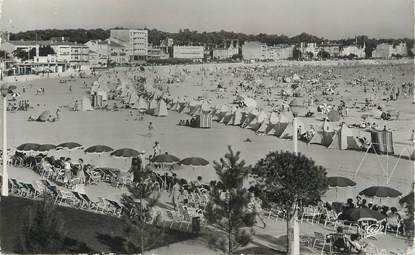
x=134, y=40
x=359, y=52
x=253, y=50
x=188, y=52
x=75, y=54
x=280, y=52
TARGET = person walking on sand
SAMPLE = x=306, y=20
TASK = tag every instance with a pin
x=70, y=89
x=156, y=149
x=58, y=111
x=150, y=129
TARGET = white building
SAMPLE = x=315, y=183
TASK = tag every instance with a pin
x=134, y=40
x=226, y=52
x=253, y=50
x=279, y=52
x=75, y=54
x=359, y=52
x=99, y=52
x=260, y=51
x=188, y=52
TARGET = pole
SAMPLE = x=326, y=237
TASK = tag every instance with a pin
x=295, y=249
x=5, y=179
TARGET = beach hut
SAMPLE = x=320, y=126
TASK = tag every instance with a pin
x=86, y=104
x=237, y=118
x=344, y=139
x=324, y=135
x=161, y=110
x=382, y=141
x=205, y=116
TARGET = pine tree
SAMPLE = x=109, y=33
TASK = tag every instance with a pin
x=229, y=199
x=143, y=196
x=287, y=180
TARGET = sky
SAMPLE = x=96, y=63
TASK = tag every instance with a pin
x=331, y=19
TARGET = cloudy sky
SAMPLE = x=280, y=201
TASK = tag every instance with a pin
x=332, y=19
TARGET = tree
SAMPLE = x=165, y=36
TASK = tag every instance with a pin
x=229, y=200
x=296, y=54
x=144, y=195
x=43, y=229
x=323, y=54
x=287, y=180
x=21, y=54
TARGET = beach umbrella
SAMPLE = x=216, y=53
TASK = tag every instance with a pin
x=355, y=214
x=98, y=149
x=166, y=158
x=46, y=147
x=408, y=199
x=125, y=153
x=69, y=146
x=194, y=161
x=28, y=147
x=338, y=181
x=380, y=191
x=333, y=116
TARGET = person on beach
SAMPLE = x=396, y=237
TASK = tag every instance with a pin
x=156, y=149
x=67, y=170
x=58, y=111
x=81, y=173
x=150, y=129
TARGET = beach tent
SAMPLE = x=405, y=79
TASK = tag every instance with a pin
x=229, y=116
x=344, y=139
x=221, y=113
x=237, y=118
x=153, y=105
x=142, y=104
x=86, y=104
x=272, y=121
x=161, y=110
x=44, y=116
x=286, y=116
x=257, y=122
x=133, y=101
x=288, y=131
x=382, y=141
x=252, y=114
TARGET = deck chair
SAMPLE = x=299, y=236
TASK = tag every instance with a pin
x=310, y=213
x=321, y=241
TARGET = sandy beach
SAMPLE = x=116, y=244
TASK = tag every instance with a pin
x=121, y=129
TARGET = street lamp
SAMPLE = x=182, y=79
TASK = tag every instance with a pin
x=4, y=89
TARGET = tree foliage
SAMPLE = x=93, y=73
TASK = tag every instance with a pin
x=228, y=207
x=43, y=229
x=138, y=205
x=287, y=178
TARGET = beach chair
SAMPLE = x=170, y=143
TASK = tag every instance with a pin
x=91, y=204
x=310, y=213
x=371, y=231
x=31, y=192
x=371, y=249
x=174, y=217
x=117, y=209
x=66, y=198
x=393, y=225
x=82, y=203
x=320, y=240
x=331, y=218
